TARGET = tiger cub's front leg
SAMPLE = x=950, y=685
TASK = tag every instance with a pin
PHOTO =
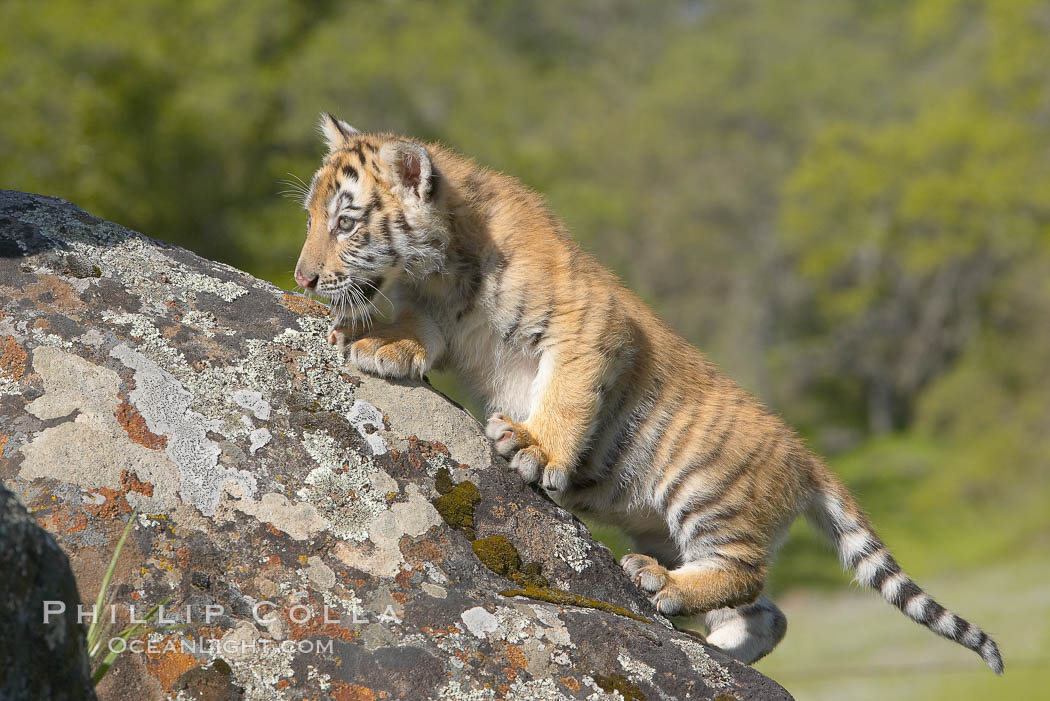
x=545, y=447
x=408, y=347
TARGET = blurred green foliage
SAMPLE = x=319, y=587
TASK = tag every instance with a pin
x=847, y=205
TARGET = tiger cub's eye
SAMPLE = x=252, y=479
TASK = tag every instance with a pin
x=346, y=223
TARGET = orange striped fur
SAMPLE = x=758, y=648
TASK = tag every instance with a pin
x=590, y=394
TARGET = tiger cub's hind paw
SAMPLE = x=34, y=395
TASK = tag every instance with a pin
x=653, y=579
x=647, y=574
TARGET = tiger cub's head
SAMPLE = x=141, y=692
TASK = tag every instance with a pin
x=373, y=215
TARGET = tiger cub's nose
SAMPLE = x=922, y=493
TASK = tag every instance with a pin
x=308, y=283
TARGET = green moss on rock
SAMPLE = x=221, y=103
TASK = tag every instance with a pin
x=498, y=554
x=560, y=596
x=531, y=573
x=617, y=682
x=443, y=481
x=456, y=506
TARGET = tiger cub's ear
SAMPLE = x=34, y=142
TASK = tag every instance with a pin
x=410, y=167
x=335, y=131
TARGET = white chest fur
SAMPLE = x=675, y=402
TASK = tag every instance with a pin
x=503, y=377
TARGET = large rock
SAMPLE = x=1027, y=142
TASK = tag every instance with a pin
x=385, y=551
x=36, y=570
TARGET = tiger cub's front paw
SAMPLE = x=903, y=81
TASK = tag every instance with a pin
x=508, y=437
x=396, y=359
x=512, y=440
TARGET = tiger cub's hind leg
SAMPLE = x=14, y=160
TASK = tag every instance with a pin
x=695, y=587
x=747, y=633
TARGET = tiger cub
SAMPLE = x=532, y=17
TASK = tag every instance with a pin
x=590, y=394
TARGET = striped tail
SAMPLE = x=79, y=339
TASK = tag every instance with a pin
x=835, y=512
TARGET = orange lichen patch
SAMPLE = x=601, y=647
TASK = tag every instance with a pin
x=182, y=557
x=420, y=549
x=404, y=577
x=329, y=630
x=274, y=531
x=63, y=520
x=515, y=656
x=115, y=503
x=303, y=306
x=55, y=293
x=166, y=667
x=571, y=683
x=3, y=442
x=131, y=483
x=452, y=631
x=418, y=451
x=132, y=421
x=77, y=522
x=12, y=358
x=414, y=461
x=343, y=691
x=399, y=596
x=315, y=624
